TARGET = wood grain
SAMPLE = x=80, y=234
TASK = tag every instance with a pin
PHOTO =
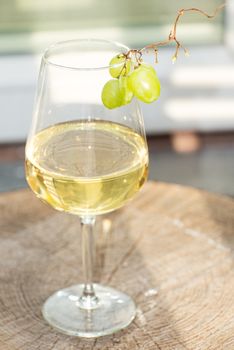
x=171, y=249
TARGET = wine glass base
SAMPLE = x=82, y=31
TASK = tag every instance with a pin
x=114, y=311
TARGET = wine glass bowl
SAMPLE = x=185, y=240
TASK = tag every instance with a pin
x=84, y=159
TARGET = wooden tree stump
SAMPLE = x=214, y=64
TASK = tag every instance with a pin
x=171, y=249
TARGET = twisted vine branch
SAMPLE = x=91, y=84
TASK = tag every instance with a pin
x=137, y=53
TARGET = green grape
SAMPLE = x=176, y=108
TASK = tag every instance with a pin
x=127, y=94
x=112, y=96
x=115, y=72
x=148, y=66
x=144, y=84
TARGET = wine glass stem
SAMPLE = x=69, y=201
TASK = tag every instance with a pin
x=88, y=300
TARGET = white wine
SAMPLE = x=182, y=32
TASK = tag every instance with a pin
x=86, y=167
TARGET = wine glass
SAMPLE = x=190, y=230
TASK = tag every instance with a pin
x=84, y=159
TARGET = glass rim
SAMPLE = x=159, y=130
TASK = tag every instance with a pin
x=48, y=52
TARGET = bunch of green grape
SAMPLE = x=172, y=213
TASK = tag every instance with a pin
x=141, y=82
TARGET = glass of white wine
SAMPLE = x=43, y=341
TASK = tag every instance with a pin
x=85, y=159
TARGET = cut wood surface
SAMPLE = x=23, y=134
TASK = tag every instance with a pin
x=171, y=249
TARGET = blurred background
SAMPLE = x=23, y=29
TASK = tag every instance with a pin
x=190, y=129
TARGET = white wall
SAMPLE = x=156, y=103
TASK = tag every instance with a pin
x=197, y=93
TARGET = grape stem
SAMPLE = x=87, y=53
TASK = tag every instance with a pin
x=137, y=53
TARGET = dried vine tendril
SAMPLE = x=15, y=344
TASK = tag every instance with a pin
x=137, y=53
